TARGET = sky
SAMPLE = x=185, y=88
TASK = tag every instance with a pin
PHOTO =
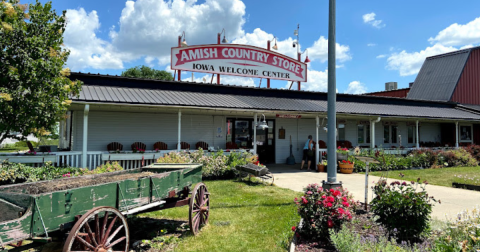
x=377, y=41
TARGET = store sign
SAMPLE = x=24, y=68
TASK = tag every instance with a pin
x=289, y=116
x=239, y=60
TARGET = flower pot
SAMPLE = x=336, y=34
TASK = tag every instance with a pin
x=341, y=156
x=320, y=168
x=345, y=168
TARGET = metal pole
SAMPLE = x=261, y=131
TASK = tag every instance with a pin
x=456, y=134
x=317, y=150
x=332, y=97
x=417, y=144
x=366, y=187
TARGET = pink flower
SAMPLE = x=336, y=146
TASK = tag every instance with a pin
x=344, y=198
x=331, y=190
x=330, y=199
x=330, y=224
x=329, y=204
x=294, y=228
x=345, y=204
x=305, y=201
x=309, y=193
x=323, y=196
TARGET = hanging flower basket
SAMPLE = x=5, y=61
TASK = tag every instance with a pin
x=346, y=167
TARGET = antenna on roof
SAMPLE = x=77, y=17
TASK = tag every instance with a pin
x=260, y=84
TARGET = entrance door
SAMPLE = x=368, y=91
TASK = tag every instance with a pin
x=240, y=131
x=266, y=143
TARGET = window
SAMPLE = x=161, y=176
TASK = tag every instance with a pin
x=465, y=133
x=363, y=134
x=390, y=134
x=341, y=132
x=411, y=134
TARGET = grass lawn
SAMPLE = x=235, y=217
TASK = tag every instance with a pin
x=13, y=149
x=442, y=176
x=244, y=216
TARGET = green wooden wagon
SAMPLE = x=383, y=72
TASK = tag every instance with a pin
x=88, y=212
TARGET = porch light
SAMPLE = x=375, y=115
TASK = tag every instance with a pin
x=224, y=40
x=263, y=125
x=184, y=42
x=274, y=47
x=307, y=60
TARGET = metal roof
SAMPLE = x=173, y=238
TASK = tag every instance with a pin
x=439, y=76
x=159, y=97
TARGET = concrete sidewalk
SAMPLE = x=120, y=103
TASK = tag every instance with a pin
x=453, y=200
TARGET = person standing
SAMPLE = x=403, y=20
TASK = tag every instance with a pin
x=307, y=152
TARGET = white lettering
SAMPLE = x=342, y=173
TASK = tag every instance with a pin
x=297, y=69
x=253, y=55
x=231, y=53
x=247, y=54
x=274, y=60
x=212, y=52
x=285, y=64
x=292, y=66
x=260, y=56
x=184, y=56
x=266, y=55
x=194, y=54
x=224, y=53
x=205, y=53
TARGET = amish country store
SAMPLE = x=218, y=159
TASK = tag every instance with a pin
x=127, y=110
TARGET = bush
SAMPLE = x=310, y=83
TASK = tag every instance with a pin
x=216, y=165
x=13, y=173
x=461, y=233
x=322, y=210
x=401, y=209
x=474, y=150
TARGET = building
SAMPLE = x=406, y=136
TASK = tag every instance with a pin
x=128, y=110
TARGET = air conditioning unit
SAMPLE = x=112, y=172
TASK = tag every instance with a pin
x=389, y=86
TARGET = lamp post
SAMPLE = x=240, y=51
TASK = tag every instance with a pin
x=297, y=43
x=181, y=43
x=332, y=97
x=224, y=40
x=275, y=47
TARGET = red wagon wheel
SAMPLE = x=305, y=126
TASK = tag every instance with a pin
x=199, y=207
x=102, y=229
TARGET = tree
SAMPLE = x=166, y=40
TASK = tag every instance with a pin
x=147, y=73
x=35, y=90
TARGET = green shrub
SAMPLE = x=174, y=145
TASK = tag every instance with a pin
x=462, y=233
x=323, y=209
x=215, y=165
x=474, y=150
x=401, y=209
x=107, y=167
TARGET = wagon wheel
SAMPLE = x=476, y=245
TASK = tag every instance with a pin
x=199, y=208
x=109, y=233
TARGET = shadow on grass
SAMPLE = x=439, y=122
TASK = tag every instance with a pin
x=142, y=228
x=253, y=205
x=252, y=181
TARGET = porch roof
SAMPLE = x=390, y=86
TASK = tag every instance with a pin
x=227, y=97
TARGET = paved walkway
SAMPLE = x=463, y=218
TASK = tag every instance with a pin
x=453, y=200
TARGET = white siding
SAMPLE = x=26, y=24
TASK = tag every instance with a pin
x=299, y=129
x=430, y=132
x=127, y=128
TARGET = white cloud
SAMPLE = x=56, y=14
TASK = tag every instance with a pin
x=86, y=49
x=356, y=87
x=225, y=79
x=318, y=51
x=381, y=56
x=152, y=27
x=369, y=18
x=317, y=81
x=371, y=44
x=410, y=63
x=458, y=34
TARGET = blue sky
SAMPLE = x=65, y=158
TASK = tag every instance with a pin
x=378, y=41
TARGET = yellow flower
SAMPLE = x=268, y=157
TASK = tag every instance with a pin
x=7, y=26
x=53, y=52
x=65, y=72
x=67, y=102
x=5, y=96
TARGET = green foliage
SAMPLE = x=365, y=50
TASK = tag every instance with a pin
x=322, y=210
x=462, y=233
x=34, y=87
x=346, y=240
x=474, y=150
x=215, y=165
x=402, y=208
x=12, y=173
x=147, y=73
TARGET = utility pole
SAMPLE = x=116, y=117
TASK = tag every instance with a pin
x=331, y=110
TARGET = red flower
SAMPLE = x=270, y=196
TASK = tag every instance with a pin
x=343, y=161
x=330, y=224
x=345, y=204
x=344, y=198
x=323, y=196
x=330, y=199
x=329, y=204
x=305, y=201
x=349, y=162
x=336, y=193
x=294, y=228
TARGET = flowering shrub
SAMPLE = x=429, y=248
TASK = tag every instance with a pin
x=215, y=165
x=342, y=150
x=107, y=167
x=135, y=150
x=462, y=233
x=474, y=150
x=401, y=208
x=323, y=209
x=346, y=162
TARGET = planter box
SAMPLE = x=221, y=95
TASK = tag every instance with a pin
x=129, y=156
x=466, y=186
x=30, y=159
x=345, y=168
x=321, y=168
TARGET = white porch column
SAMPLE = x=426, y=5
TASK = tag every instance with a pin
x=456, y=134
x=317, y=147
x=372, y=134
x=179, y=130
x=85, y=135
x=255, y=134
x=417, y=144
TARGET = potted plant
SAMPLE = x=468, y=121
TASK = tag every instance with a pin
x=342, y=153
x=346, y=166
x=321, y=167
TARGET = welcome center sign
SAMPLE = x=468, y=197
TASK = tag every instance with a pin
x=239, y=60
